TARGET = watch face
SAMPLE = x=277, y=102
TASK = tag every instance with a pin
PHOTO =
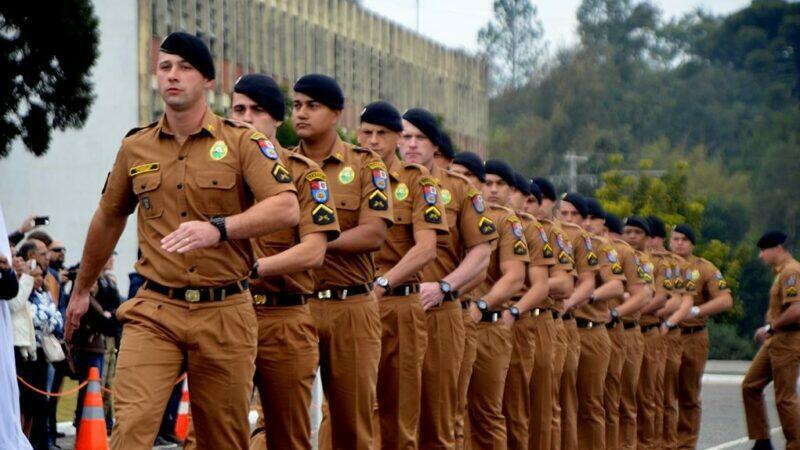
x=482, y=305
x=382, y=282
x=444, y=286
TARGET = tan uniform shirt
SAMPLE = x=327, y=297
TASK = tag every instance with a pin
x=703, y=280
x=220, y=170
x=540, y=250
x=607, y=262
x=317, y=215
x=628, y=262
x=510, y=247
x=584, y=253
x=359, y=181
x=784, y=289
x=565, y=261
x=417, y=206
x=466, y=218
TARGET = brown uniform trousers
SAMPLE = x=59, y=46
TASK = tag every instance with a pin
x=613, y=384
x=440, y=373
x=202, y=334
x=592, y=369
x=516, y=395
x=560, y=343
x=776, y=361
x=672, y=356
x=629, y=381
x=486, y=386
x=693, y=363
x=542, y=383
x=647, y=399
x=658, y=422
x=464, y=376
x=568, y=392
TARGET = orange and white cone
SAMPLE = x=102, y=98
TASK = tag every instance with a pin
x=92, y=428
x=182, y=422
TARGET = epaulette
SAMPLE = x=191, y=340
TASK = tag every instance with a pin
x=138, y=129
x=414, y=166
x=236, y=123
x=305, y=160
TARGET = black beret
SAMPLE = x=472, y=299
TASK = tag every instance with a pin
x=321, y=88
x=535, y=191
x=547, y=188
x=426, y=123
x=502, y=169
x=771, y=239
x=446, y=146
x=472, y=162
x=383, y=114
x=264, y=91
x=192, y=49
x=577, y=201
x=638, y=222
x=657, y=227
x=594, y=208
x=522, y=183
x=613, y=223
x=686, y=230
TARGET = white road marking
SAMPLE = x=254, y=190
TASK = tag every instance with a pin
x=739, y=441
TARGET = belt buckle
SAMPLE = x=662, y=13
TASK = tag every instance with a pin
x=590, y=325
x=536, y=312
x=192, y=295
x=323, y=295
x=259, y=299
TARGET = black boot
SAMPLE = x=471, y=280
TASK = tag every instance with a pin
x=763, y=444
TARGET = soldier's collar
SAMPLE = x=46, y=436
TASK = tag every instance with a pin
x=209, y=125
x=336, y=151
x=395, y=168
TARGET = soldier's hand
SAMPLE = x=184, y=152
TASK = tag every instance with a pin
x=78, y=305
x=430, y=295
x=508, y=319
x=191, y=236
x=379, y=292
x=664, y=329
x=761, y=334
x=474, y=312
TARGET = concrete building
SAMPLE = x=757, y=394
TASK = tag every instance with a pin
x=372, y=57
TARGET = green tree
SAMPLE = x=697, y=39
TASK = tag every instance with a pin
x=46, y=53
x=512, y=42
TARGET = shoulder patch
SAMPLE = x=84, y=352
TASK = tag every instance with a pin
x=235, y=123
x=477, y=201
x=378, y=200
x=323, y=215
x=429, y=191
x=486, y=226
x=281, y=174
x=380, y=177
x=433, y=215
x=267, y=148
x=319, y=186
x=133, y=131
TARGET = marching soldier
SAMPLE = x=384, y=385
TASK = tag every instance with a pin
x=461, y=257
x=505, y=277
x=777, y=359
x=203, y=186
x=711, y=297
x=533, y=327
x=410, y=245
x=344, y=305
x=288, y=354
x=668, y=270
x=561, y=284
x=591, y=315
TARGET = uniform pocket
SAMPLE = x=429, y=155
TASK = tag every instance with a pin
x=347, y=206
x=146, y=188
x=218, y=196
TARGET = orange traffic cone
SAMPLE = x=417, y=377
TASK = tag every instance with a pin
x=92, y=428
x=182, y=423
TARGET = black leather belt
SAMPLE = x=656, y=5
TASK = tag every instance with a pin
x=199, y=294
x=451, y=296
x=629, y=325
x=341, y=293
x=279, y=299
x=612, y=324
x=491, y=316
x=536, y=312
x=556, y=314
x=403, y=290
x=583, y=323
x=646, y=328
x=567, y=316
x=692, y=330
x=789, y=327
x=465, y=304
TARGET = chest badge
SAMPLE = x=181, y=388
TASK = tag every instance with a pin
x=218, y=151
x=401, y=192
x=347, y=175
x=447, y=197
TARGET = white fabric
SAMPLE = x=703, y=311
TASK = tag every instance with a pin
x=21, y=318
x=11, y=436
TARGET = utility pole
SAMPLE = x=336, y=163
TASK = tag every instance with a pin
x=572, y=160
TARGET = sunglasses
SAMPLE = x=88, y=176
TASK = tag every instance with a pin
x=58, y=250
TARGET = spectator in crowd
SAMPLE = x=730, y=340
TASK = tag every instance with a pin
x=11, y=435
x=46, y=320
x=22, y=323
x=57, y=253
x=18, y=235
x=109, y=299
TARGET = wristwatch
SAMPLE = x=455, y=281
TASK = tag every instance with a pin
x=695, y=311
x=592, y=299
x=254, y=271
x=769, y=329
x=514, y=312
x=219, y=222
x=614, y=314
x=482, y=305
x=383, y=282
x=670, y=325
x=445, y=287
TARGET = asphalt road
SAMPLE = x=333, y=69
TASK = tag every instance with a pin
x=723, y=425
